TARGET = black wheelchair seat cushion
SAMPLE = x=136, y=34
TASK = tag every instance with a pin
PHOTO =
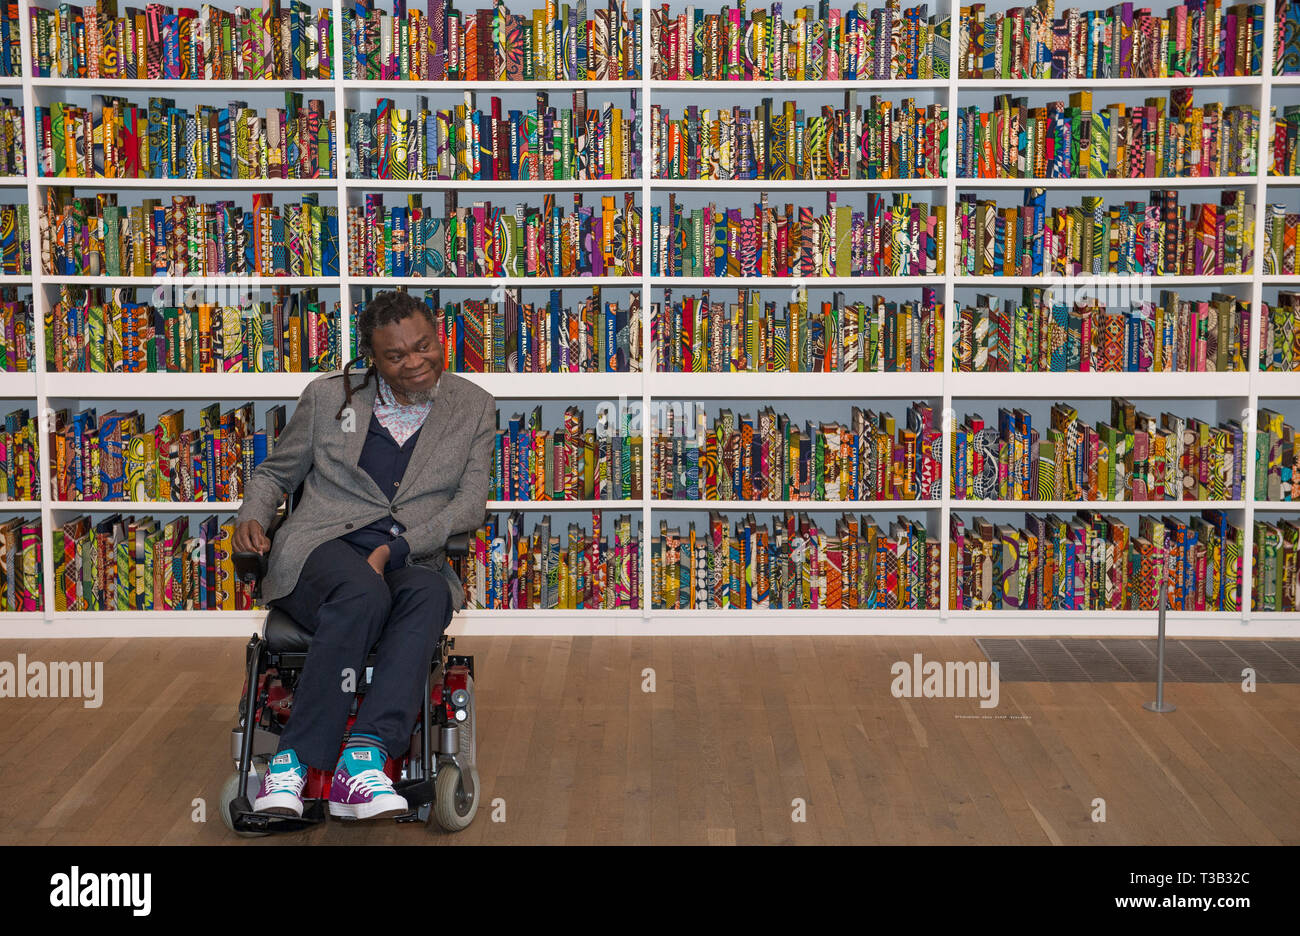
x=284, y=634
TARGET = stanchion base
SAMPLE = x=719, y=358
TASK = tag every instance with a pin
x=1161, y=707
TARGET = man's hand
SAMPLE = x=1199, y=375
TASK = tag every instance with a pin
x=379, y=558
x=250, y=537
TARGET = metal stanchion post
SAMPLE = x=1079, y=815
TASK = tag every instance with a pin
x=1160, y=705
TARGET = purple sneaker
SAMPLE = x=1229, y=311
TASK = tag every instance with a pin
x=281, y=791
x=366, y=795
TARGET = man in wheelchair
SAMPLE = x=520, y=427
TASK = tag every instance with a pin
x=389, y=469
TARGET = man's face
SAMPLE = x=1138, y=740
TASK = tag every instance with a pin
x=409, y=357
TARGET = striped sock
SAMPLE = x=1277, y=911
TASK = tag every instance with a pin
x=361, y=741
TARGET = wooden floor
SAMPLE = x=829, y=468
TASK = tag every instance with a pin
x=737, y=730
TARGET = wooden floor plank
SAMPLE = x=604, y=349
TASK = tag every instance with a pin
x=1148, y=760
x=610, y=707
x=971, y=801
x=1251, y=770
x=892, y=733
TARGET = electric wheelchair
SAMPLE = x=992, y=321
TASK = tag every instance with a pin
x=437, y=776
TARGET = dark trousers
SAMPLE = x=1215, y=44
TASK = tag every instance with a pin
x=350, y=609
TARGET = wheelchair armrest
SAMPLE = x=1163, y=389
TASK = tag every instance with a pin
x=458, y=545
x=250, y=567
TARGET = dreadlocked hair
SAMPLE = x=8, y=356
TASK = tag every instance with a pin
x=384, y=309
x=348, y=389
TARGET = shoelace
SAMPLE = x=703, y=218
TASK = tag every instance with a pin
x=374, y=781
x=278, y=781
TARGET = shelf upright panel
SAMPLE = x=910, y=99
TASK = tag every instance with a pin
x=649, y=355
x=343, y=176
x=1251, y=416
x=947, y=415
x=43, y=414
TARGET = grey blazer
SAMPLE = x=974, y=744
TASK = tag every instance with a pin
x=444, y=490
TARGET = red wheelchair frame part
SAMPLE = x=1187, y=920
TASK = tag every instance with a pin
x=456, y=677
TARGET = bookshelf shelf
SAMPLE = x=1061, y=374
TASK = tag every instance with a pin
x=1281, y=622
x=456, y=87
x=114, y=506
x=161, y=616
x=1098, y=384
x=1113, y=84
x=539, y=282
x=575, y=386
x=100, y=85
x=1144, y=182
x=1150, y=506
x=781, y=505
x=177, y=386
x=945, y=389
x=290, y=385
x=488, y=614
x=1010, y=616
x=162, y=279
x=1157, y=282
x=795, y=185
x=668, y=385
x=812, y=282
x=208, y=185
x=752, y=87
x=808, y=614
x=19, y=384
x=506, y=506
x=1280, y=384
x=493, y=185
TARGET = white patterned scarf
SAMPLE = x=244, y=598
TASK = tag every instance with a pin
x=400, y=419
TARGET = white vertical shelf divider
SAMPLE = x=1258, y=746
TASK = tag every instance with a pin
x=1257, y=320
x=649, y=354
x=31, y=160
x=342, y=177
x=947, y=415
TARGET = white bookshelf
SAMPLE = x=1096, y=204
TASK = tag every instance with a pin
x=42, y=389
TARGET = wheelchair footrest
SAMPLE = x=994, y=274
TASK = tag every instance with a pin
x=418, y=794
x=245, y=820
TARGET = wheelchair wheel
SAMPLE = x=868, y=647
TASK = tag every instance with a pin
x=451, y=807
x=230, y=790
